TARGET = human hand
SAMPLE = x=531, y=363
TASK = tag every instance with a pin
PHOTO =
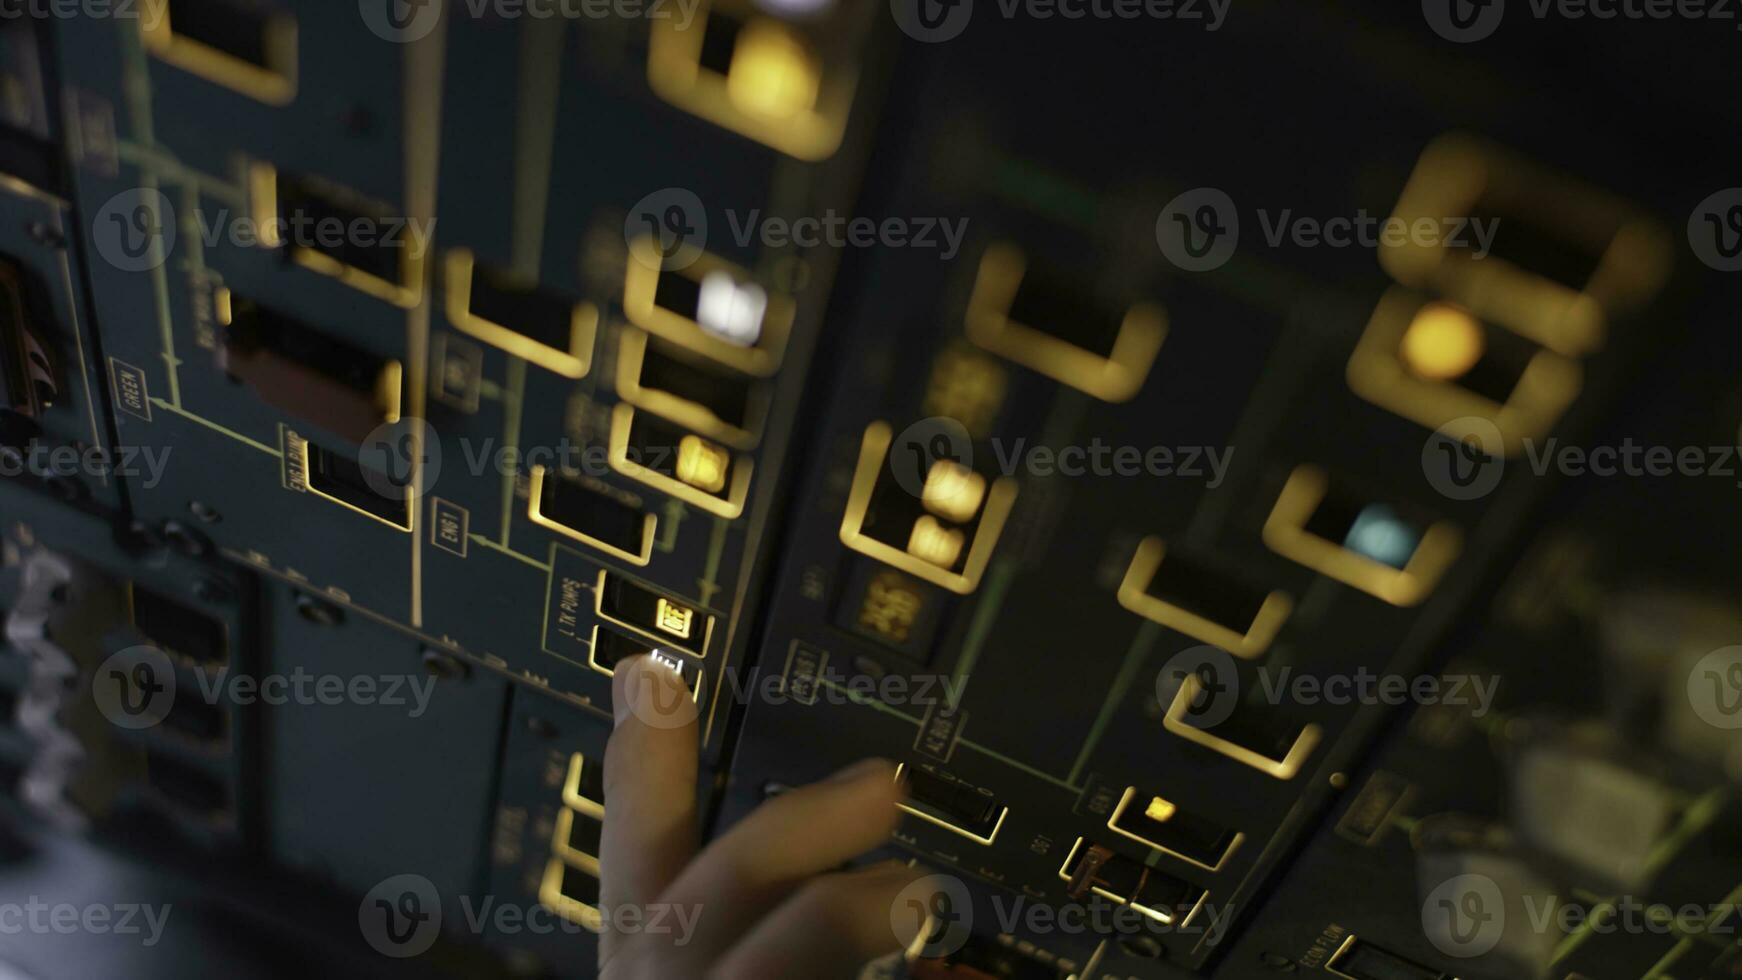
x=766, y=898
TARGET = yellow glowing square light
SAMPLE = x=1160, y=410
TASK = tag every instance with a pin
x=673, y=618
x=773, y=72
x=1442, y=342
x=701, y=464
x=890, y=607
x=1159, y=810
x=932, y=541
x=967, y=387
x=952, y=491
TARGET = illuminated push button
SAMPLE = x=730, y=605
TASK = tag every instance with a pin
x=701, y=464
x=674, y=619
x=1159, y=810
x=1442, y=342
x=889, y=607
x=1157, y=822
x=731, y=310
x=952, y=491
x=933, y=542
x=1380, y=534
x=773, y=74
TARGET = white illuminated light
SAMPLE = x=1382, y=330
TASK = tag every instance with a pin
x=731, y=310
x=666, y=660
x=1382, y=536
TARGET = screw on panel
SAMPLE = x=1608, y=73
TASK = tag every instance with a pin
x=211, y=590
x=42, y=234
x=318, y=611
x=1277, y=962
x=185, y=539
x=444, y=666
